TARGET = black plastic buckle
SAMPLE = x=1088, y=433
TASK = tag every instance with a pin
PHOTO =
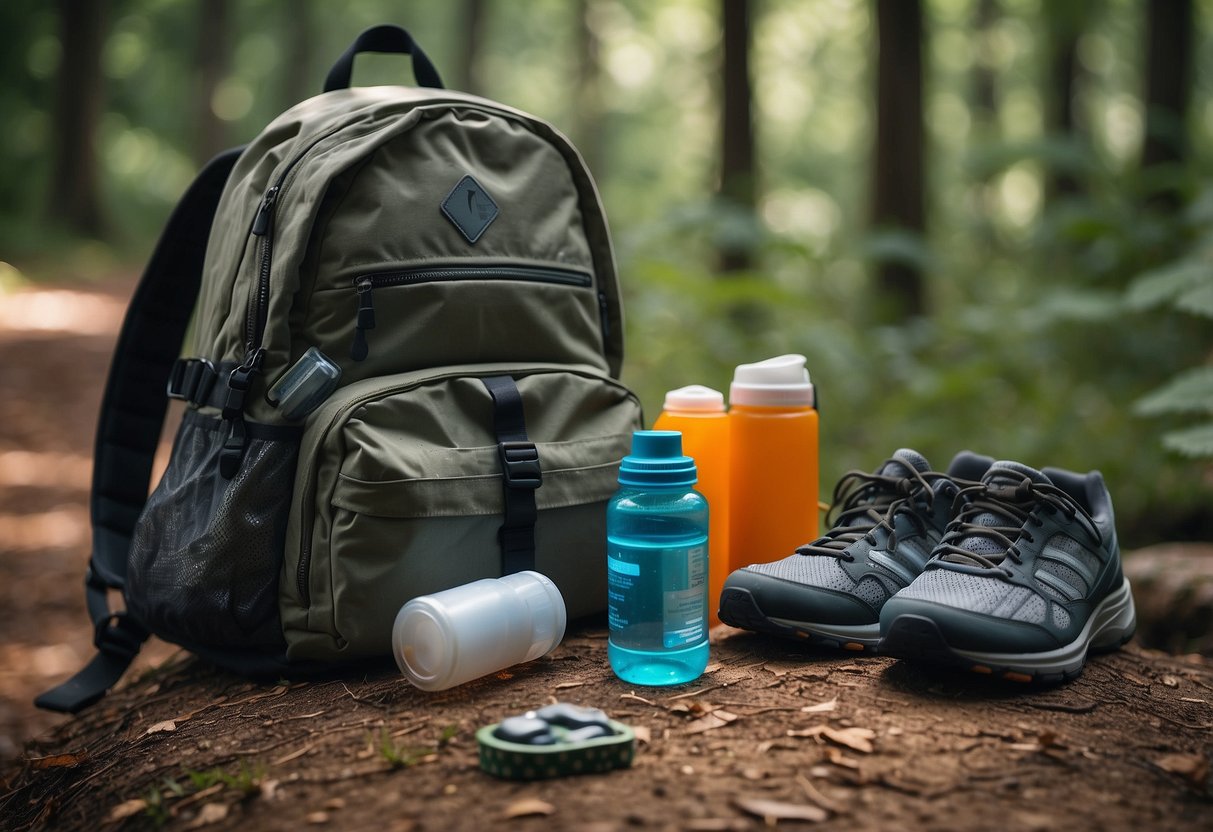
x=520, y=464
x=191, y=379
x=176, y=379
x=118, y=635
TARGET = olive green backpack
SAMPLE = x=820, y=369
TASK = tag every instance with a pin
x=406, y=343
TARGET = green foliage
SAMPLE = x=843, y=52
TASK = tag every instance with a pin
x=1185, y=286
x=400, y=756
x=246, y=779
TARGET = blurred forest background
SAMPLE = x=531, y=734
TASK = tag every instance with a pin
x=987, y=223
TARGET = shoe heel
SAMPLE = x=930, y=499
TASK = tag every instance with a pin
x=1116, y=621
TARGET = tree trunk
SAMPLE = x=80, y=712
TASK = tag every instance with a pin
x=737, y=184
x=468, y=74
x=212, y=60
x=898, y=198
x=985, y=82
x=587, y=106
x=1168, y=82
x=300, y=77
x=1064, y=23
x=75, y=200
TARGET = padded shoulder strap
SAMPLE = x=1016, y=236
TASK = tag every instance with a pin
x=128, y=431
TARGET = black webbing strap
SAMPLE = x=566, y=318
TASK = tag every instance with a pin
x=520, y=475
x=128, y=431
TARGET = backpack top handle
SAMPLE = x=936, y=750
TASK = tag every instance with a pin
x=385, y=38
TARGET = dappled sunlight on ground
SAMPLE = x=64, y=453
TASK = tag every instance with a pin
x=55, y=347
x=44, y=469
x=61, y=310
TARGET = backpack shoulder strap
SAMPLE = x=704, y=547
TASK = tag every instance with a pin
x=128, y=431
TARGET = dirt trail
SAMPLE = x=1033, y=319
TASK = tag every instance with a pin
x=775, y=732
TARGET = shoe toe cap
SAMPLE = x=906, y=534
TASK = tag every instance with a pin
x=785, y=599
x=964, y=629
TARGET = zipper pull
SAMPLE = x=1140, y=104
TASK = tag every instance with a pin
x=604, y=314
x=261, y=222
x=366, y=319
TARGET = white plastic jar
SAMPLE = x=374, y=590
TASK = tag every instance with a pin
x=460, y=634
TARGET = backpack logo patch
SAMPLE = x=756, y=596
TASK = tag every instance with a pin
x=470, y=208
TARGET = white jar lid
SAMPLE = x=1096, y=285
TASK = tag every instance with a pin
x=696, y=398
x=776, y=382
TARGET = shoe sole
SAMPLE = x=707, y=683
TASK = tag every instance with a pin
x=918, y=638
x=739, y=608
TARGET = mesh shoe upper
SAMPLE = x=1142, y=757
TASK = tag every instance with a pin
x=885, y=526
x=1023, y=563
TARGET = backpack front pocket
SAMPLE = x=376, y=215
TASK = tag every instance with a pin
x=401, y=493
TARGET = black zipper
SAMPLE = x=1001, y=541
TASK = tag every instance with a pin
x=367, y=283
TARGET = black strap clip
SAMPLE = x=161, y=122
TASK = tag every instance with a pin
x=520, y=464
x=191, y=379
x=119, y=636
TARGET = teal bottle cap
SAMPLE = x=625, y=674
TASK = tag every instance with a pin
x=657, y=459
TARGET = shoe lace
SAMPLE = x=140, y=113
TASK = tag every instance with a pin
x=1015, y=509
x=863, y=503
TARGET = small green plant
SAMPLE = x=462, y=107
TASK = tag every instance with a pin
x=156, y=810
x=400, y=756
x=247, y=780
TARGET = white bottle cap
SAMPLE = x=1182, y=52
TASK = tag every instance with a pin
x=696, y=398
x=776, y=382
x=460, y=634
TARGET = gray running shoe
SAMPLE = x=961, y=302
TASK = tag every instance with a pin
x=884, y=528
x=1026, y=581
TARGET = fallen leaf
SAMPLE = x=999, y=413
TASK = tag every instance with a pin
x=857, y=739
x=839, y=759
x=1170, y=681
x=693, y=707
x=1192, y=767
x=643, y=734
x=715, y=719
x=208, y=814
x=773, y=811
x=126, y=809
x=712, y=668
x=630, y=695
x=820, y=707
x=317, y=817
x=268, y=789
x=58, y=761
x=161, y=727
x=528, y=807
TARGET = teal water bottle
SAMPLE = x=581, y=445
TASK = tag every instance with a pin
x=657, y=565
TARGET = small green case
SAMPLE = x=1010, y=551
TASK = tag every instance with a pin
x=519, y=761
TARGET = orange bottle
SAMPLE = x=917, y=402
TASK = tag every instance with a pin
x=698, y=412
x=773, y=460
